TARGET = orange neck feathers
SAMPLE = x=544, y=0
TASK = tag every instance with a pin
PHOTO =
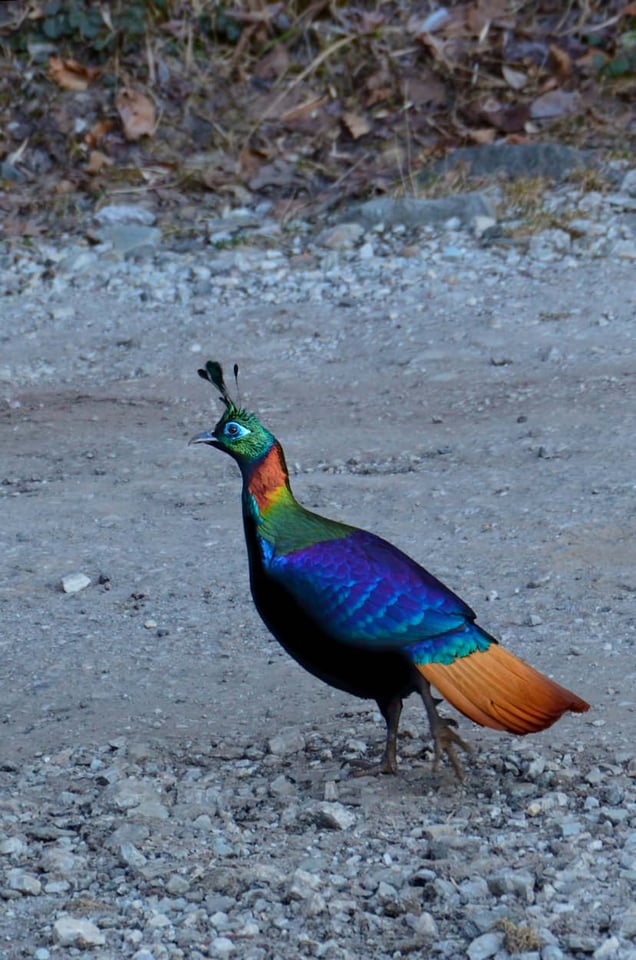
x=268, y=479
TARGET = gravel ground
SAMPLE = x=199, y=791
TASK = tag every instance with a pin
x=172, y=786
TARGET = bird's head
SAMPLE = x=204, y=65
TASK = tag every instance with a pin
x=238, y=432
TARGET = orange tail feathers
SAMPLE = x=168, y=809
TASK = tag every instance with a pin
x=496, y=689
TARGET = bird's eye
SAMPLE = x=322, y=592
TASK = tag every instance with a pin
x=234, y=431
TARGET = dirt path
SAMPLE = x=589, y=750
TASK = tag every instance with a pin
x=494, y=445
x=490, y=434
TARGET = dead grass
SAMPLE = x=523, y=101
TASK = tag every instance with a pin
x=519, y=937
x=308, y=103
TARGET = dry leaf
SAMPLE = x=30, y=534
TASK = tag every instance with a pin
x=378, y=96
x=250, y=162
x=369, y=21
x=263, y=15
x=592, y=62
x=71, y=75
x=97, y=132
x=137, y=113
x=507, y=117
x=97, y=161
x=423, y=89
x=356, y=124
x=63, y=187
x=274, y=64
x=560, y=61
x=307, y=108
x=480, y=17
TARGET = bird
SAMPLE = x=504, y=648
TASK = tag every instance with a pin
x=364, y=617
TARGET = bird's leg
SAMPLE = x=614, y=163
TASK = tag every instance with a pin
x=444, y=737
x=390, y=710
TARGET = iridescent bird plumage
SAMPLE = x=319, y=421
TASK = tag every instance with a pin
x=363, y=616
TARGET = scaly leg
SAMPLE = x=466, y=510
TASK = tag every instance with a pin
x=391, y=711
x=444, y=737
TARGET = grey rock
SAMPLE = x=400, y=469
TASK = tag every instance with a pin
x=131, y=856
x=23, y=882
x=331, y=791
x=332, y=816
x=584, y=943
x=483, y=919
x=621, y=201
x=615, y=814
x=474, y=889
x=423, y=925
x=628, y=184
x=625, y=923
x=127, y=239
x=553, y=160
x=282, y=787
x=152, y=809
x=74, y=582
x=624, y=249
x=608, y=949
x=61, y=860
x=443, y=847
x=518, y=882
x=12, y=846
x=481, y=225
x=343, y=236
x=77, y=932
x=177, y=885
x=78, y=261
x=414, y=212
x=114, y=213
x=130, y=792
x=221, y=947
x=551, y=952
x=534, y=620
x=303, y=884
x=549, y=243
x=132, y=833
x=11, y=173
x=485, y=946
x=570, y=828
x=286, y=742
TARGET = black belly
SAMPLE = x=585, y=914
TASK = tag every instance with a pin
x=377, y=675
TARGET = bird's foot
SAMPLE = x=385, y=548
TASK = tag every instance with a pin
x=445, y=740
x=366, y=768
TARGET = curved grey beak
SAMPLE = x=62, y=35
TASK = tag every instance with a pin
x=204, y=437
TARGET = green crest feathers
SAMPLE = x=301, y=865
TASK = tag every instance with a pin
x=213, y=371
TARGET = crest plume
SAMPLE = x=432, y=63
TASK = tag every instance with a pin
x=213, y=371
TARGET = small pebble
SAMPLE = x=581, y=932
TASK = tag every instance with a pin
x=74, y=582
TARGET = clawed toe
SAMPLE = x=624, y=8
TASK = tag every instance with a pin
x=444, y=737
x=367, y=768
x=445, y=740
x=363, y=768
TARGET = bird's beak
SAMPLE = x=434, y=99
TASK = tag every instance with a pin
x=204, y=437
